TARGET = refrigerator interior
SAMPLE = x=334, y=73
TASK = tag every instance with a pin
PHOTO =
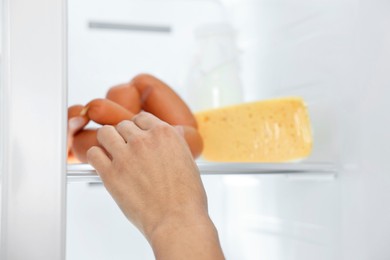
x=334, y=54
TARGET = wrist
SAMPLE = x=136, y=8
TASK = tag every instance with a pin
x=189, y=237
x=177, y=221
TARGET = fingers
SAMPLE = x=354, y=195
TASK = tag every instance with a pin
x=146, y=121
x=98, y=159
x=127, y=129
x=110, y=139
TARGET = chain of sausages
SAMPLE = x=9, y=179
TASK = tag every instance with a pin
x=144, y=92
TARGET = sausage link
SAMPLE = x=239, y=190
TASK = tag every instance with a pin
x=160, y=100
x=106, y=112
x=126, y=96
x=82, y=141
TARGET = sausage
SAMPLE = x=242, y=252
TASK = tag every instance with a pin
x=74, y=111
x=126, y=96
x=122, y=102
x=82, y=141
x=160, y=100
x=106, y=112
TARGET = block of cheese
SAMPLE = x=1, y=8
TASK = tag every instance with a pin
x=276, y=130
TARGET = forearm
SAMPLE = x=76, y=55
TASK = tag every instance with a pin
x=192, y=240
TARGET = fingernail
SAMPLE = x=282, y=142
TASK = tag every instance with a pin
x=76, y=123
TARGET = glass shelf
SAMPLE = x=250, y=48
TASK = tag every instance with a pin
x=85, y=172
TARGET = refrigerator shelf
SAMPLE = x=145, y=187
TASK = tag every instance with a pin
x=86, y=173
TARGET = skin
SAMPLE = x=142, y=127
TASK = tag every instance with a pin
x=149, y=171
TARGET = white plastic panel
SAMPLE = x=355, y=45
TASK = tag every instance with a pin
x=33, y=130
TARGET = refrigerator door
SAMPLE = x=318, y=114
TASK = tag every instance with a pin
x=33, y=130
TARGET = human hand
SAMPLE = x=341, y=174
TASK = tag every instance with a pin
x=149, y=171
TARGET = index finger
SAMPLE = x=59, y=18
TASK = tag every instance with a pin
x=98, y=159
x=109, y=138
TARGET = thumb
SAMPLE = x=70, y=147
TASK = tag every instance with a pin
x=75, y=124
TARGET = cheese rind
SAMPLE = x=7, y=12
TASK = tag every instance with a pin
x=276, y=130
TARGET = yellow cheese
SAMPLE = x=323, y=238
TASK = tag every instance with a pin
x=276, y=130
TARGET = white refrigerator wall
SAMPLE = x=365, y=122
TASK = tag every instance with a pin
x=336, y=54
